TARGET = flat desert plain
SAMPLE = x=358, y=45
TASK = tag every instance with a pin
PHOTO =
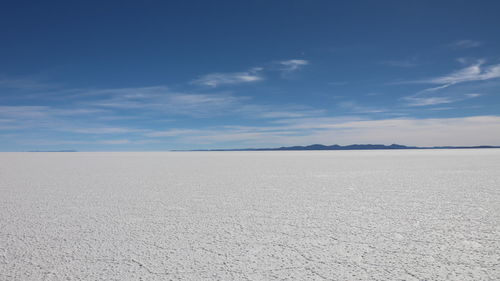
x=304, y=215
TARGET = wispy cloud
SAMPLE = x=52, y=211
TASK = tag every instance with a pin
x=473, y=95
x=113, y=142
x=473, y=73
x=252, y=75
x=217, y=79
x=128, y=93
x=30, y=112
x=24, y=83
x=424, y=101
x=476, y=71
x=100, y=130
x=159, y=99
x=355, y=107
x=272, y=112
x=103, y=111
x=441, y=108
x=465, y=44
x=293, y=65
x=51, y=119
x=110, y=142
x=435, y=100
x=173, y=133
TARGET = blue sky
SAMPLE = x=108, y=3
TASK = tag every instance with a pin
x=160, y=75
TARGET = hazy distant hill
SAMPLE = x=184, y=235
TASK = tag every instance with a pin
x=349, y=147
x=67, y=150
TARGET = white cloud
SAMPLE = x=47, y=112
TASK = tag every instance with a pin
x=272, y=112
x=129, y=93
x=474, y=72
x=292, y=65
x=23, y=83
x=425, y=100
x=173, y=133
x=46, y=119
x=357, y=108
x=24, y=112
x=465, y=44
x=194, y=101
x=442, y=108
x=100, y=130
x=288, y=114
x=158, y=100
x=252, y=75
x=217, y=79
x=41, y=117
x=119, y=141
x=473, y=95
x=104, y=112
x=48, y=142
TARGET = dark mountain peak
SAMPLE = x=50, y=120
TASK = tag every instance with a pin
x=350, y=147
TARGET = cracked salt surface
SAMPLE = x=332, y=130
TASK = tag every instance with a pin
x=323, y=215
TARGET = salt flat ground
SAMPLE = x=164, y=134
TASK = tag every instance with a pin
x=322, y=215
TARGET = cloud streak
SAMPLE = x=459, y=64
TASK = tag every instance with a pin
x=218, y=79
x=473, y=73
x=465, y=44
x=159, y=100
x=425, y=101
x=293, y=65
x=252, y=75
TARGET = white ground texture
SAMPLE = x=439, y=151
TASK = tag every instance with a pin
x=322, y=215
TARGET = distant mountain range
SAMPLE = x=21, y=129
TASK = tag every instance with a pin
x=66, y=150
x=347, y=147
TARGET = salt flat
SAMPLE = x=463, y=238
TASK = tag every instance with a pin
x=319, y=215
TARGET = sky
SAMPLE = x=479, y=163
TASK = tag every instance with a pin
x=162, y=75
